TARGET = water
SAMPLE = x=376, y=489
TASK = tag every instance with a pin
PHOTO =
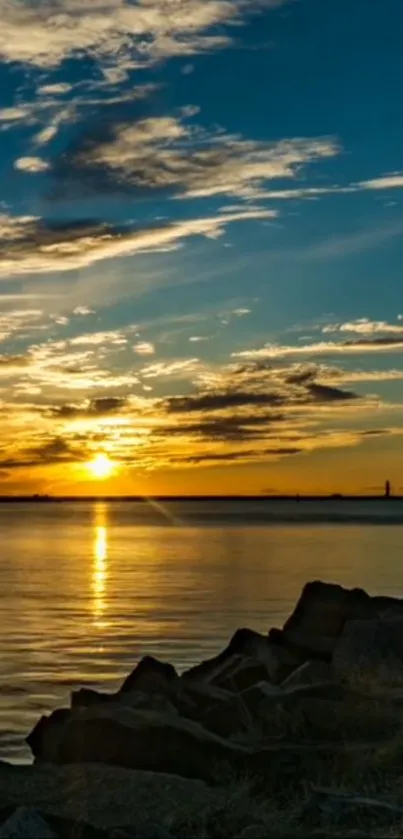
x=86, y=589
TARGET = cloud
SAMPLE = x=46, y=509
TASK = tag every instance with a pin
x=31, y=164
x=175, y=369
x=83, y=311
x=219, y=401
x=52, y=451
x=364, y=345
x=55, y=89
x=394, y=181
x=364, y=326
x=111, y=336
x=101, y=406
x=144, y=348
x=13, y=362
x=14, y=322
x=164, y=154
x=29, y=245
x=258, y=387
x=241, y=412
x=248, y=454
x=119, y=34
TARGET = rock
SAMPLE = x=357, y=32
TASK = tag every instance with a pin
x=301, y=648
x=45, y=735
x=143, y=740
x=275, y=662
x=26, y=823
x=388, y=607
x=94, y=799
x=310, y=673
x=194, y=700
x=150, y=676
x=324, y=608
x=240, y=673
x=371, y=651
x=255, y=709
x=86, y=698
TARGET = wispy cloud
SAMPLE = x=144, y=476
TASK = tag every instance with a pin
x=364, y=345
x=165, y=154
x=31, y=164
x=119, y=34
x=394, y=181
x=364, y=326
x=29, y=246
x=144, y=348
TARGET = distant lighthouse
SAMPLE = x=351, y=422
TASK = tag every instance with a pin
x=387, y=489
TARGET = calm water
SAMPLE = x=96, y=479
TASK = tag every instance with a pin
x=86, y=589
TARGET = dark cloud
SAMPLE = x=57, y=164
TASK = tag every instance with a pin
x=250, y=454
x=260, y=386
x=325, y=393
x=107, y=405
x=96, y=407
x=375, y=432
x=52, y=451
x=252, y=427
x=375, y=342
x=220, y=400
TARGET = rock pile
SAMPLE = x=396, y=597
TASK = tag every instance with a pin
x=266, y=706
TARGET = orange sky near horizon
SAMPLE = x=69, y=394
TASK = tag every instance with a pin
x=358, y=470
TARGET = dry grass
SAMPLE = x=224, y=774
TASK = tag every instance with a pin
x=370, y=765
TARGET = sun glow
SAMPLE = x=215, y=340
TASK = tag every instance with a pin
x=101, y=466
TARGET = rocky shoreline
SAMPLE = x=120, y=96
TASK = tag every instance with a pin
x=295, y=733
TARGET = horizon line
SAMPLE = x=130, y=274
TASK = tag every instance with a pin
x=335, y=496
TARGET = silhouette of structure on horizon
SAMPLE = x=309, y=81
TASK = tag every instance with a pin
x=387, y=489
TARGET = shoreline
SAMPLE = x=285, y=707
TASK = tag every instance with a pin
x=289, y=734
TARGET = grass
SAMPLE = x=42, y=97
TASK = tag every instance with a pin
x=371, y=764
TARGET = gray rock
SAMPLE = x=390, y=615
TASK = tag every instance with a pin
x=26, y=823
x=371, y=651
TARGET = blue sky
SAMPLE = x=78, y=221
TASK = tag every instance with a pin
x=201, y=243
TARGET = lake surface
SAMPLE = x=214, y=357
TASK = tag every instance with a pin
x=86, y=589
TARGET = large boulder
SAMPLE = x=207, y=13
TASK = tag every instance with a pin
x=145, y=740
x=254, y=711
x=319, y=617
x=150, y=676
x=153, y=701
x=371, y=652
x=46, y=735
x=246, y=650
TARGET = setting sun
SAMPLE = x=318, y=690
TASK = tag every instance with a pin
x=101, y=466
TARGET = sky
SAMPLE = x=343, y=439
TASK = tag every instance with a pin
x=201, y=246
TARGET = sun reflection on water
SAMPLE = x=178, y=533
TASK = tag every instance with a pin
x=100, y=565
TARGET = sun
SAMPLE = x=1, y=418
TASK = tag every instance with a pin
x=101, y=466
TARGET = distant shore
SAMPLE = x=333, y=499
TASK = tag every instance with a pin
x=41, y=499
